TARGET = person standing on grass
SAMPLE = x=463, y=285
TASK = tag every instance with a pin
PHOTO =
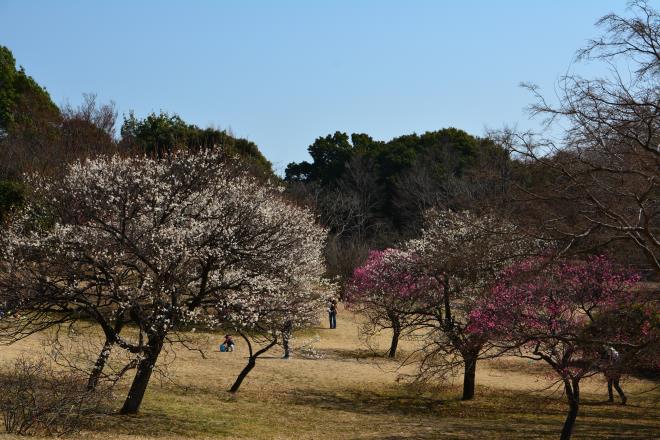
x=332, y=313
x=611, y=367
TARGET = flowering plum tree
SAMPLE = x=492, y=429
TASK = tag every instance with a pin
x=464, y=252
x=390, y=289
x=544, y=311
x=162, y=244
x=269, y=308
x=264, y=316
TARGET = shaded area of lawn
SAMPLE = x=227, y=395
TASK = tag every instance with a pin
x=390, y=412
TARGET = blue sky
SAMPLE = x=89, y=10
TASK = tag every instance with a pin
x=282, y=73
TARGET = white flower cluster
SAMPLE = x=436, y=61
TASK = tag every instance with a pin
x=469, y=249
x=169, y=243
x=308, y=350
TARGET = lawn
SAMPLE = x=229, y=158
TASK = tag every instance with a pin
x=349, y=394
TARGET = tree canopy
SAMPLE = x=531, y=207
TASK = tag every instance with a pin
x=160, y=134
x=22, y=100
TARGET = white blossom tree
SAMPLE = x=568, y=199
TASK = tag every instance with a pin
x=161, y=244
x=265, y=316
x=465, y=252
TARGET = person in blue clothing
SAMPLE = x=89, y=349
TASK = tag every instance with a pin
x=332, y=313
x=227, y=344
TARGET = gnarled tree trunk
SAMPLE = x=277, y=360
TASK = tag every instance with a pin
x=469, y=375
x=573, y=395
x=102, y=359
x=144, y=369
x=99, y=365
x=396, y=333
x=286, y=336
x=252, y=361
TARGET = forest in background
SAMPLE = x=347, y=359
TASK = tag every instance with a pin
x=371, y=194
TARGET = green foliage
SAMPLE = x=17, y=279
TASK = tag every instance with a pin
x=160, y=134
x=22, y=100
x=155, y=134
x=387, y=185
x=12, y=196
x=452, y=149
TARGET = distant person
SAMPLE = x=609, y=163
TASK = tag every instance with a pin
x=332, y=313
x=611, y=367
x=227, y=344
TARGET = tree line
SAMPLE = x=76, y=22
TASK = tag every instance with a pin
x=38, y=136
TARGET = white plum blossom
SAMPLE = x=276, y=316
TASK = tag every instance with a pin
x=164, y=245
x=465, y=251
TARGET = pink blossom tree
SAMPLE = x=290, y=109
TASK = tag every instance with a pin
x=545, y=311
x=390, y=289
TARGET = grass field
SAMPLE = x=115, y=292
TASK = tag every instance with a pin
x=348, y=395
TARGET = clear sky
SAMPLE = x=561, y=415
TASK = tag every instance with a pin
x=281, y=73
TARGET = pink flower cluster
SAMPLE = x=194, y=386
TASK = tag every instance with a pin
x=539, y=299
x=390, y=274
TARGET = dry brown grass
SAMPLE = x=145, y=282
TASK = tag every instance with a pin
x=351, y=395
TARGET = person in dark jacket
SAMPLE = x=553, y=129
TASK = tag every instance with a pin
x=332, y=313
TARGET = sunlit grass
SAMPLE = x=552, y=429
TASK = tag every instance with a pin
x=350, y=395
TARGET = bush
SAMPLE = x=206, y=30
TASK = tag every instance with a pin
x=37, y=399
x=12, y=195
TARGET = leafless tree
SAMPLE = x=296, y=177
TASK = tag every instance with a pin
x=603, y=170
x=52, y=140
x=102, y=116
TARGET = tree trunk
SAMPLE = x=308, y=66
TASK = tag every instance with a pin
x=286, y=335
x=396, y=332
x=99, y=365
x=252, y=360
x=239, y=380
x=469, y=376
x=144, y=369
x=285, y=344
x=573, y=395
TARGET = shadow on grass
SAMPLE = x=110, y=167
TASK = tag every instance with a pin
x=365, y=402
x=171, y=411
x=489, y=416
x=341, y=354
x=423, y=417
x=156, y=423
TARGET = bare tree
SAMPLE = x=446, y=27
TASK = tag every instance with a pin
x=604, y=169
x=101, y=116
x=51, y=141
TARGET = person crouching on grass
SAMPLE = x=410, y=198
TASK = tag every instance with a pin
x=227, y=344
